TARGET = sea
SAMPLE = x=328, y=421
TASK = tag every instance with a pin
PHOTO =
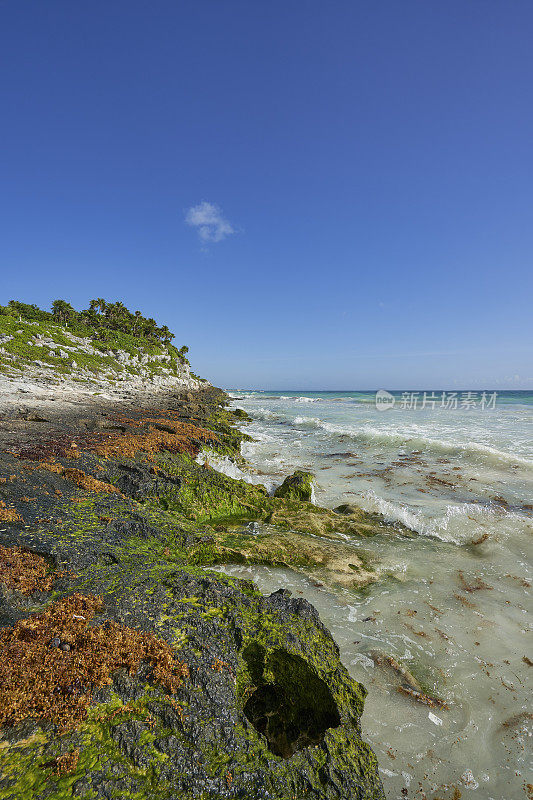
x=451, y=604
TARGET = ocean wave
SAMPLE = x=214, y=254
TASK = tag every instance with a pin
x=242, y=395
x=417, y=442
x=266, y=414
x=293, y=398
x=396, y=512
x=447, y=527
x=226, y=466
x=259, y=437
x=311, y=422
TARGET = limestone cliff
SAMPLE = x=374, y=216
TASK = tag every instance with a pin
x=43, y=354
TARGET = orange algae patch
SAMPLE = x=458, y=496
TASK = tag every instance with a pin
x=65, y=763
x=9, y=514
x=79, y=477
x=162, y=434
x=157, y=434
x=85, y=481
x=23, y=571
x=52, y=662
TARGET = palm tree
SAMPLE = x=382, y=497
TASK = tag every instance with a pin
x=90, y=317
x=165, y=334
x=182, y=352
x=113, y=313
x=62, y=311
x=150, y=327
x=137, y=318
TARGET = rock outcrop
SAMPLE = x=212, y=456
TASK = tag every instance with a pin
x=37, y=357
x=298, y=486
x=260, y=707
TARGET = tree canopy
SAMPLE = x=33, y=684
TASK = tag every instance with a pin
x=100, y=315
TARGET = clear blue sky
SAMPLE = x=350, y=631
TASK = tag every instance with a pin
x=367, y=169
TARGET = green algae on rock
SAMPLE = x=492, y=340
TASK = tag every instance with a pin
x=144, y=551
x=326, y=559
x=298, y=486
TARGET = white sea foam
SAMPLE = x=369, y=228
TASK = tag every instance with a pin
x=437, y=527
x=396, y=512
x=266, y=413
x=242, y=395
x=228, y=467
x=310, y=422
x=293, y=398
x=259, y=436
x=416, y=442
x=448, y=527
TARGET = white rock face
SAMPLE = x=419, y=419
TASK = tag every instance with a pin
x=126, y=376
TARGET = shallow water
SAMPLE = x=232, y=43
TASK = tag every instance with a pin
x=452, y=604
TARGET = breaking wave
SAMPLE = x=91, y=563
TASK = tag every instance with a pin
x=266, y=414
x=416, y=442
x=228, y=467
x=443, y=527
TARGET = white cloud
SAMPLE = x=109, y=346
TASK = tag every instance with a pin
x=208, y=220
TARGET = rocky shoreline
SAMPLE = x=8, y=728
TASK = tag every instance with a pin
x=231, y=694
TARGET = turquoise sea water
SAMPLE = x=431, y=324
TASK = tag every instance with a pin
x=454, y=603
x=523, y=396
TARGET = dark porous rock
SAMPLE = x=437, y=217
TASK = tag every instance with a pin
x=33, y=416
x=132, y=481
x=265, y=710
x=283, y=603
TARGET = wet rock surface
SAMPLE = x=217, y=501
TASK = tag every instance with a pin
x=267, y=710
x=293, y=710
x=298, y=486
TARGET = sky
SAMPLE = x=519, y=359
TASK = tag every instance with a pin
x=311, y=195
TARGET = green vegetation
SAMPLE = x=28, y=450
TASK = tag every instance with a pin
x=100, y=343
x=96, y=321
